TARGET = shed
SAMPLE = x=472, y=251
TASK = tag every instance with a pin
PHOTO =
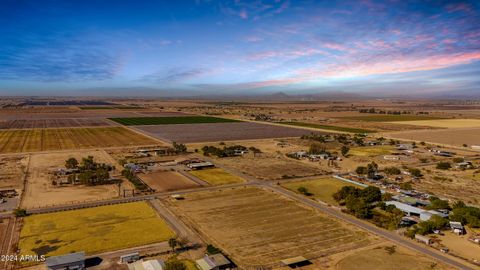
x=457, y=227
x=72, y=261
x=424, y=239
x=295, y=262
x=129, y=258
x=426, y=215
x=214, y=262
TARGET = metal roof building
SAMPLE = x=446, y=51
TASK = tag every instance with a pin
x=72, y=261
x=214, y=262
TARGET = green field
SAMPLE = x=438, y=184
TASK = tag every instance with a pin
x=136, y=121
x=327, y=127
x=371, y=151
x=216, y=176
x=321, y=189
x=93, y=230
x=389, y=117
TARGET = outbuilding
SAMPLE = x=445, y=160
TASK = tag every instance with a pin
x=214, y=262
x=72, y=261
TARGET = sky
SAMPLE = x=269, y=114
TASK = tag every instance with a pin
x=233, y=47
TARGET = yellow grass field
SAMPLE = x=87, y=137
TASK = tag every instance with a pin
x=93, y=230
x=444, y=123
x=33, y=140
x=321, y=189
x=370, y=151
x=217, y=176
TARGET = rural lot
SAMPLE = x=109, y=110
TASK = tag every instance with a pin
x=260, y=228
x=33, y=140
x=40, y=191
x=93, y=230
x=163, y=180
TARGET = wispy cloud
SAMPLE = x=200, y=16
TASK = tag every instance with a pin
x=175, y=75
x=57, y=58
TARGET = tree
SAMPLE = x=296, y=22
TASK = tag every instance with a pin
x=179, y=147
x=458, y=204
x=345, y=192
x=71, y=163
x=344, y=150
x=444, y=165
x=316, y=148
x=392, y=170
x=304, y=191
x=415, y=172
x=371, y=194
x=358, y=206
x=361, y=170
x=458, y=159
x=406, y=186
x=372, y=169
x=436, y=203
x=175, y=264
x=172, y=242
x=20, y=212
x=211, y=249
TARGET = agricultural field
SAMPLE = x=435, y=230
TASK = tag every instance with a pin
x=389, y=117
x=40, y=191
x=194, y=133
x=328, y=127
x=53, y=123
x=216, y=176
x=321, y=189
x=13, y=169
x=140, y=121
x=258, y=228
x=385, y=257
x=453, y=137
x=445, y=123
x=33, y=140
x=371, y=151
x=93, y=230
x=162, y=181
x=270, y=166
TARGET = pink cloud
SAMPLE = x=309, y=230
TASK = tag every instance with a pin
x=243, y=14
x=464, y=7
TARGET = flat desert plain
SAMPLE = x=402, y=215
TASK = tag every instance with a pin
x=444, y=123
x=454, y=137
x=40, y=192
x=259, y=228
x=211, y=132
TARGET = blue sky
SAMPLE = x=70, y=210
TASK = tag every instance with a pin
x=239, y=47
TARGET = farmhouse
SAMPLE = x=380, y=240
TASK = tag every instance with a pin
x=214, y=262
x=72, y=261
x=415, y=211
x=457, y=227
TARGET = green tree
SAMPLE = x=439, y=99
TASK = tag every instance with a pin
x=71, y=163
x=175, y=264
x=372, y=169
x=444, y=165
x=415, y=172
x=20, y=212
x=172, y=243
x=304, y=191
x=392, y=170
x=345, y=150
x=371, y=194
x=179, y=147
x=316, y=148
x=361, y=170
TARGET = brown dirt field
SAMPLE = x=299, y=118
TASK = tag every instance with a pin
x=162, y=181
x=13, y=169
x=40, y=192
x=378, y=257
x=33, y=140
x=454, y=137
x=460, y=246
x=259, y=228
x=190, y=133
x=270, y=166
x=34, y=114
x=53, y=123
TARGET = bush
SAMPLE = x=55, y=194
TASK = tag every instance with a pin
x=392, y=170
x=444, y=165
x=20, y=212
x=361, y=170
